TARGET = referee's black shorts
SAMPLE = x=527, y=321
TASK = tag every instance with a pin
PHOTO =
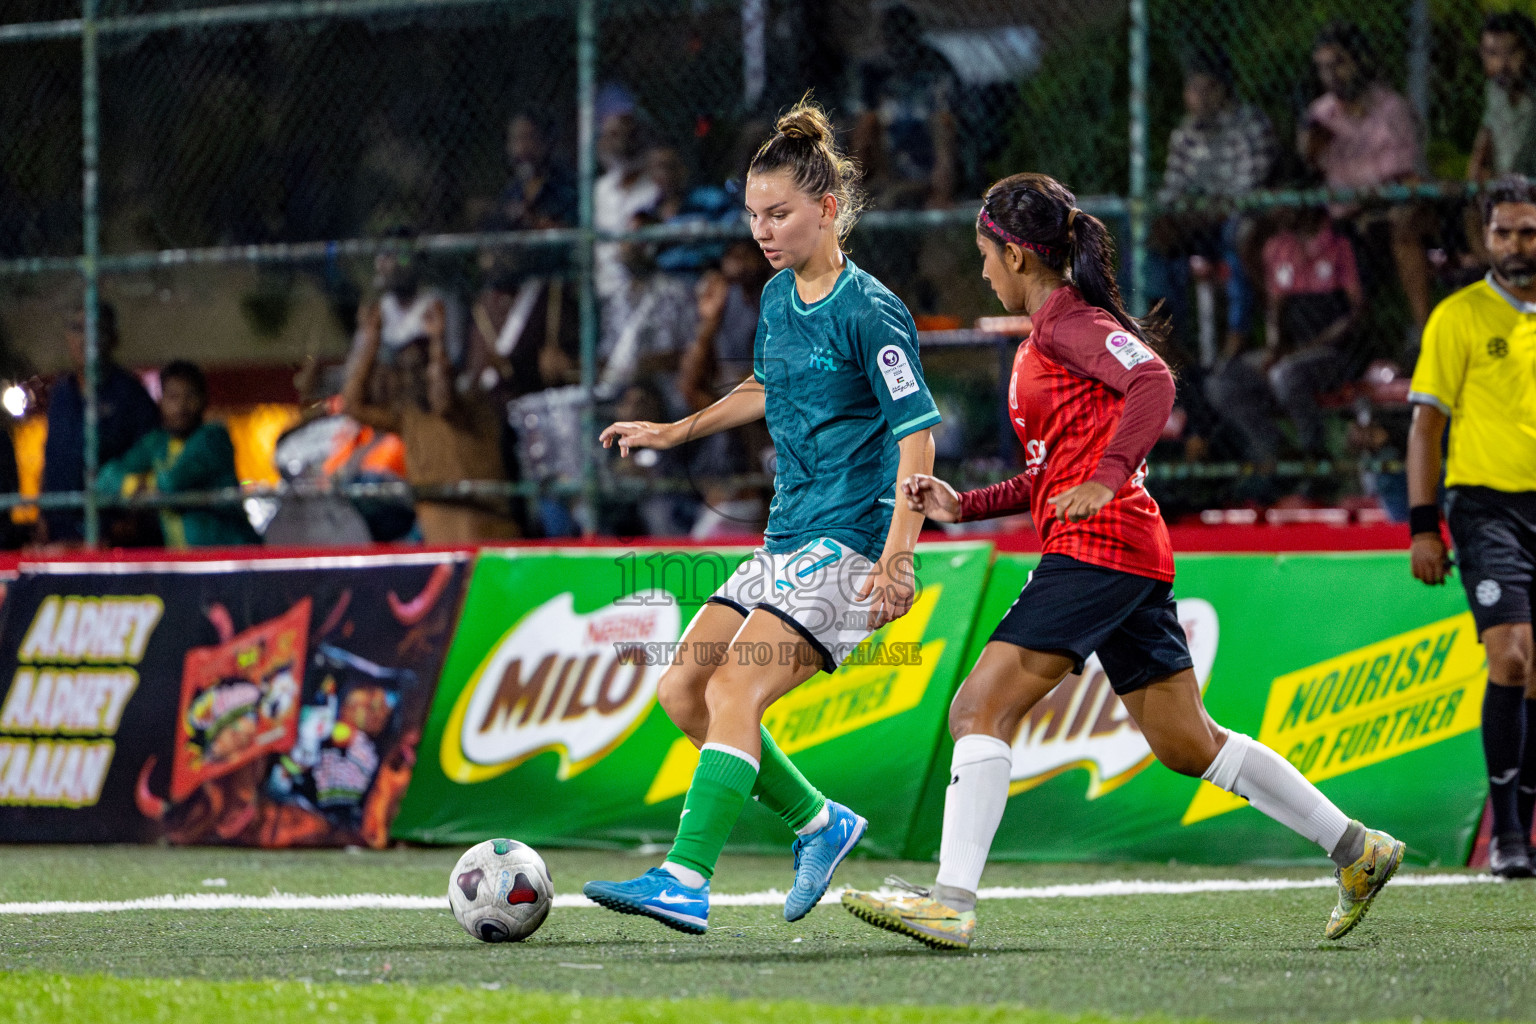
x=1076, y=609
x=1495, y=537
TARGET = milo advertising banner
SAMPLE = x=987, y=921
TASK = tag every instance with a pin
x=546, y=724
x=1368, y=682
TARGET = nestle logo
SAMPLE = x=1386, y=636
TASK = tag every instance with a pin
x=619, y=628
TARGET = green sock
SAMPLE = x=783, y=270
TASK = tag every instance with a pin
x=721, y=784
x=783, y=790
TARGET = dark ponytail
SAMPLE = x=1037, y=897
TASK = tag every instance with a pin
x=1038, y=213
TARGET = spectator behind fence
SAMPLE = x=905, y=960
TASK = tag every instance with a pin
x=1361, y=134
x=524, y=331
x=623, y=191
x=524, y=337
x=680, y=204
x=449, y=436
x=1313, y=299
x=399, y=175
x=12, y=536
x=1220, y=150
x=405, y=303
x=647, y=325
x=904, y=136
x=542, y=190
x=720, y=359
x=127, y=413
x=1506, y=142
x=185, y=454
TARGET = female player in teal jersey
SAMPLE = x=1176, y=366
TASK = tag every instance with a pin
x=836, y=373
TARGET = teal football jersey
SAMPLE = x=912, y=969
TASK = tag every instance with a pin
x=843, y=385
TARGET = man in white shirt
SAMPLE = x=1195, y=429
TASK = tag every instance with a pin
x=623, y=191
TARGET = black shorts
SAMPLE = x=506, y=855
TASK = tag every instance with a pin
x=1077, y=609
x=1495, y=537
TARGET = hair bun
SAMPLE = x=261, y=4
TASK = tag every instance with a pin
x=806, y=120
x=804, y=146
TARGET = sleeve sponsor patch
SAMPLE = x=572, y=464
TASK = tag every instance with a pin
x=1125, y=347
x=899, y=378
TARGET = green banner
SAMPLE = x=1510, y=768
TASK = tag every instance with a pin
x=546, y=726
x=1370, y=683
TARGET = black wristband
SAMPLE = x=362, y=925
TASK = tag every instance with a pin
x=1424, y=519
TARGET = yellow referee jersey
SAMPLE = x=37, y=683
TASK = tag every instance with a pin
x=1478, y=366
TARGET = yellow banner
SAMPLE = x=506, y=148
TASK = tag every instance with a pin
x=865, y=690
x=1368, y=706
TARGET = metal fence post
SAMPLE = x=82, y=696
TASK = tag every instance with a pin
x=586, y=172
x=1418, y=59
x=1138, y=143
x=91, y=251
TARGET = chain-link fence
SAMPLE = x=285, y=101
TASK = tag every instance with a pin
x=239, y=179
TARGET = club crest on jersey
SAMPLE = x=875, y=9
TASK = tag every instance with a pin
x=1034, y=456
x=559, y=680
x=1125, y=347
x=897, y=371
x=821, y=359
x=1082, y=724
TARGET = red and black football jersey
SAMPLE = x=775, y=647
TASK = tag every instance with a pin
x=1066, y=396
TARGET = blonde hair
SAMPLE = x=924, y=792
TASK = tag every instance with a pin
x=804, y=145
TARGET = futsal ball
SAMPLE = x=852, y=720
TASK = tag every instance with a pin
x=500, y=891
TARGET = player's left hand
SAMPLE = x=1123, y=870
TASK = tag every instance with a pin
x=1078, y=503
x=894, y=588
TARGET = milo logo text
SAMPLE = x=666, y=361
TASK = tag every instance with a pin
x=1082, y=724
x=559, y=680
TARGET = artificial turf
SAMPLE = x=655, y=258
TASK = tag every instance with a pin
x=1443, y=953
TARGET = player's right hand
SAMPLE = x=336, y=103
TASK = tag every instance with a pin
x=1429, y=561
x=932, y=497
x=637, y=434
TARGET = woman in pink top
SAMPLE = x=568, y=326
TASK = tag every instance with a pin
x=1361, y=134
x=1313, y=300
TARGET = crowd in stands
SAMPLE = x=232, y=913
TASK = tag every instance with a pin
x=445, y=384
x=1299, y=285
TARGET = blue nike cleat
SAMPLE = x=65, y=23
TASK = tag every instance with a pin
x=657, y=895
x=818, y=855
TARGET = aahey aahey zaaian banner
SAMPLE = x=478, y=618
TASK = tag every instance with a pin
x=264, y=701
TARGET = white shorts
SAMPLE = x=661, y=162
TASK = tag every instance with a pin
x=813, y=589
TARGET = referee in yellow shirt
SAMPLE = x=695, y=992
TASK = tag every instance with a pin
x=1477, y=372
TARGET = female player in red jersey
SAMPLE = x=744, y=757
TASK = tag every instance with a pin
x=1088, y=397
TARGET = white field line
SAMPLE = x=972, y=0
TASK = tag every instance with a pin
x=769, y=898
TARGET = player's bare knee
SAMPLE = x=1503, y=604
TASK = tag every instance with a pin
x=974, y=709
x=1186, y=751
x=1185, y=759
x=730, y=693
x=680, y=692
x=1510, y=662
x=961, y=721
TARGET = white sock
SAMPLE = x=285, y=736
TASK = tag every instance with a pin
x=822, y=820
x=689, y=877
x=973, y=808
x=1274, y=787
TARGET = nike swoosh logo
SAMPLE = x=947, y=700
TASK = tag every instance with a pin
x=672, y=897
x=1504, y=779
